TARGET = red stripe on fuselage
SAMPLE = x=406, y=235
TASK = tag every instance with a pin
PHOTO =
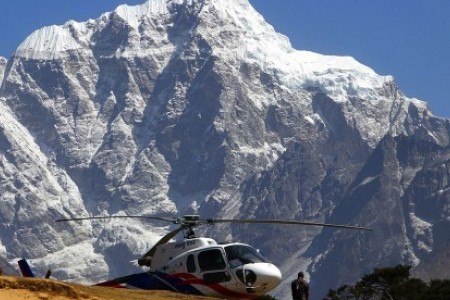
x=111, y=284
x=191, y=279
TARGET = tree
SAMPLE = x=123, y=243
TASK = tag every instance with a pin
x=392, y=284
x=438, y=289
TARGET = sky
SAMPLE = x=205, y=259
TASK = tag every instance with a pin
x=408, y=39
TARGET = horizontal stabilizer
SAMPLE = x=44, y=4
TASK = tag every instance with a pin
x=25, y=268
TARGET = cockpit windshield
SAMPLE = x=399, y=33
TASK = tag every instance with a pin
x=240, y=254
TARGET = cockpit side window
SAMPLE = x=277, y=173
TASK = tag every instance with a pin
x=211, y=260
x=190, y=264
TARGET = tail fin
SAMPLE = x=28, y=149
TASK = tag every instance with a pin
x=25, y=268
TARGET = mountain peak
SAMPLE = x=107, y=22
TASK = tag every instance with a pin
x=133, y=14
x=56, y=41
x=47, y=43
x=233, y=32
x=175, y=107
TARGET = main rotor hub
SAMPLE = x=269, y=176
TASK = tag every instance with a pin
x=190, y=220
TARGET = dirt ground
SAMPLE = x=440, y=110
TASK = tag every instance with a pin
x=19, y=288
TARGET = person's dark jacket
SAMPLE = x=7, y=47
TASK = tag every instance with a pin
x=300, y=289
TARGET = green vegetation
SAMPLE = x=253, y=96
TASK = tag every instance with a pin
x=392, y=284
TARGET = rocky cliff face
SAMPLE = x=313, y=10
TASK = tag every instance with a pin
x=174, y=107
x=7, y=269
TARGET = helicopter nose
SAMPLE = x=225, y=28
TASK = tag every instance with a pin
x=268, y=276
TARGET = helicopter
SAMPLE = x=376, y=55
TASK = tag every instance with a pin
x=200, y=265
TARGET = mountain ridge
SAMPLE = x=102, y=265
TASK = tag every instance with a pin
x=190, y=110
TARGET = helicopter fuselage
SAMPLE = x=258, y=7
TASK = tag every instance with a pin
x=202, y=266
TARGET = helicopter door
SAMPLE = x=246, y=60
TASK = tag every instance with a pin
x=213, y=266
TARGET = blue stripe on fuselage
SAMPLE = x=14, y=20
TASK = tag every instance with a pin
x=152, y=281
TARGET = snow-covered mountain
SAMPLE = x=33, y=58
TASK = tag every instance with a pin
x=183, y=106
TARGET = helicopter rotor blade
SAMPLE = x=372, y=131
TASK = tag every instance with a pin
x=268, y=221
x=146, y=259
x=188, y=222
x=196, y=221
x=116, y=217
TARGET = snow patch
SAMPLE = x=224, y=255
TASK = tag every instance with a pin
x=48, y=43
x=420, y=226
x=268, y=150
x=419, y=104
x=408, y=253
x=133, y=14
x=422, y=232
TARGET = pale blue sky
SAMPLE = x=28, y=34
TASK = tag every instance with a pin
x=408, y=39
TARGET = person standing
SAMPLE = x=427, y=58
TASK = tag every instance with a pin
x=300, y=288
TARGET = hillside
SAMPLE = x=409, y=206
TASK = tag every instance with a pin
x=182, y=107
x=19, y=288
